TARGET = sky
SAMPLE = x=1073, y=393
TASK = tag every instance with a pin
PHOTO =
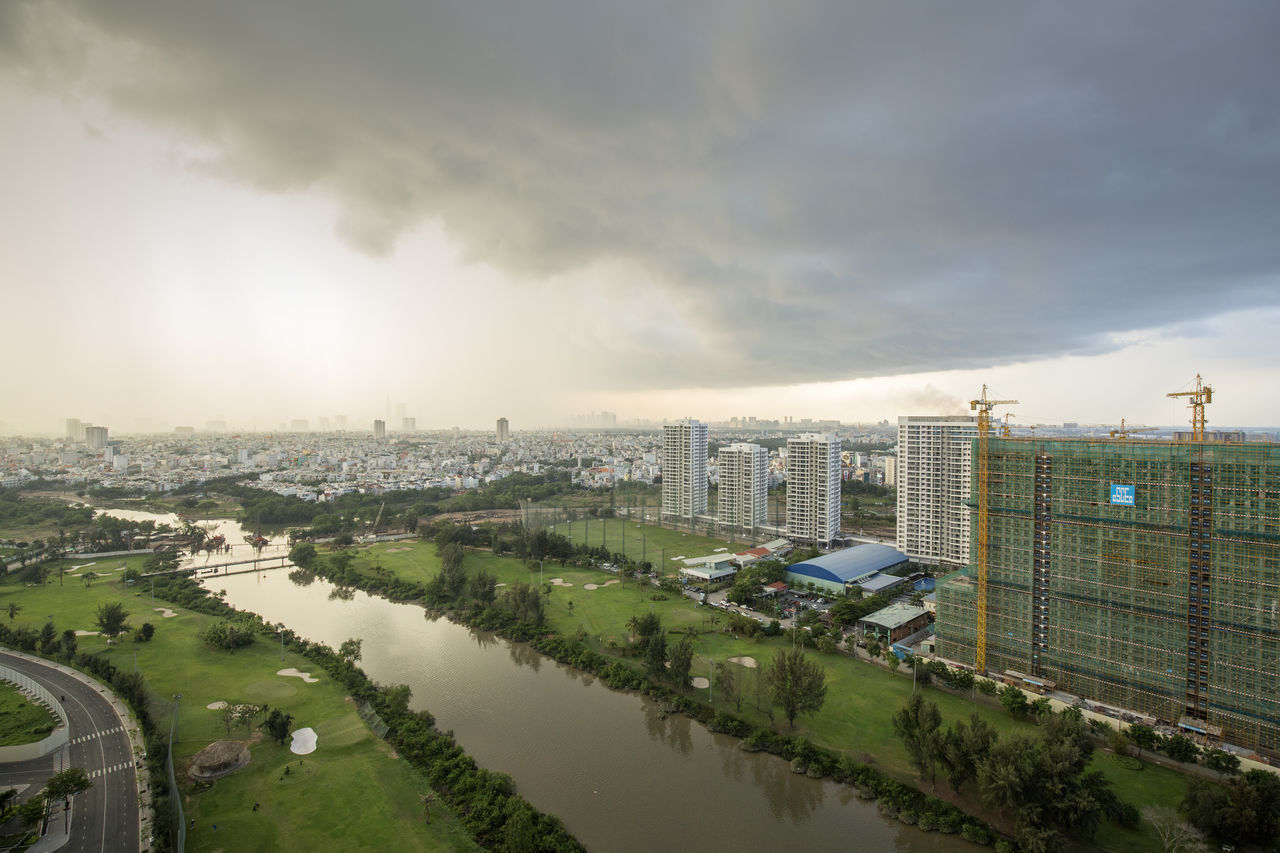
x=263, y=210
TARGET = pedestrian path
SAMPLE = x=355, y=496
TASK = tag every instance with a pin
x=94, y=735
x=97, y=774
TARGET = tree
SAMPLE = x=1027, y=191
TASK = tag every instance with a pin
x=1014, y=701
x=32, y=811
x=655, y=654
x=277, y=725
x=145, y=633
x=1244, y=811
x=69, y=643
x=1223, y=762
x=917, y=724
x=1143, y=737
x=681, y=658
x=1176, y=835
x=14, y=609
x=68, y=783
x=48, y=637
x=303, y=555
x=725, y=685
x=964, y=749
x=1180, y=748
x=350, y=650
x=482, y=586
x=88, y=578
x=797, y=684
x=112, y=619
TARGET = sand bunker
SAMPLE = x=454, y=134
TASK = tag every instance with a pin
x=559, y=582
x=681, y=557
x=397, y=550
x=293, y=673
x=121, y=569
x=700, y=683
x=165, y=612
x=598, y=585
x=87, y=633
x=216, y=706
x=304, y=742
x=83, y=566
x=749, y=663
x=499, y=584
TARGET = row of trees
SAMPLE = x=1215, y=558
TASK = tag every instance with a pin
x=1040, y=780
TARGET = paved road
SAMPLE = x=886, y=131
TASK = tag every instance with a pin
x=104, y=818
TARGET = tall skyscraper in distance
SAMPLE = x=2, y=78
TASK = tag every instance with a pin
x=340, y=421
x=684, y=470
x=95, y=437
x=744, y=485
x=75, y=430
x=813, y=488
x=409, y=425
x=935, y=458
x=379, y=429
x=504, y=432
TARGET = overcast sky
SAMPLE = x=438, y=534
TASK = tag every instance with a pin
x=259, y=210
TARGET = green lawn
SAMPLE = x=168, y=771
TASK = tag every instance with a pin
x=21, y=720
x=660, y=545
x=861, y=697
x=350, y=794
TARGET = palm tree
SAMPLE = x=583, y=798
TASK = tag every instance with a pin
x=427, y=800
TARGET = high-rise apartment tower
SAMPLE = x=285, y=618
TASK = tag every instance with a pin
x=379, y=429
x=932, y=472
x=744, y=485
x=813, y=488
x=504, y=431
x=684, y=470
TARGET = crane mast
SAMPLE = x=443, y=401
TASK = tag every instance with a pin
x=983, y=406
x=1201, y=395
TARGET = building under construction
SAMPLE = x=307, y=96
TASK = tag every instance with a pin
x=1143, y=574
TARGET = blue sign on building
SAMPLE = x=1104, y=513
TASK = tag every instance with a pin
x=1121, y=495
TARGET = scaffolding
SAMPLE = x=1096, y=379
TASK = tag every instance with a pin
x=1142, y=574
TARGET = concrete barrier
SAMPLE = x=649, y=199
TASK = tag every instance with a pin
x=56, y=740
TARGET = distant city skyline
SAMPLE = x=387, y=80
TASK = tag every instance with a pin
x=855, y=213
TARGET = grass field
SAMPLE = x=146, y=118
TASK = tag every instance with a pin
x=350, y=794
x=660, y=545
x=861, y=697
x=21, y=720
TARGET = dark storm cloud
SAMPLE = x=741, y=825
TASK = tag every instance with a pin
x=822, y=191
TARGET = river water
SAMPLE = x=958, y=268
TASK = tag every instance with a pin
x=622, y=776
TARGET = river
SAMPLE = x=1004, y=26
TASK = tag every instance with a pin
x=622, y=775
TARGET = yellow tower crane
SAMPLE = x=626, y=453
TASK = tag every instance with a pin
x=1125, y=432
x=1199, y=397
x=983, y=406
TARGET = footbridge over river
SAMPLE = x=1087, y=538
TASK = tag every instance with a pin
x=230, y=567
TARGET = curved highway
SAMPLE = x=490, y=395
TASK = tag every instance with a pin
x=105, y=817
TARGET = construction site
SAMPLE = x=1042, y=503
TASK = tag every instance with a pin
x=1139, y=573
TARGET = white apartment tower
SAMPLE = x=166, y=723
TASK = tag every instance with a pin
x=813, y=488
x=935, y=457
x=684, y=470
x=379, y=429
x=95, y=437
x=744, y=485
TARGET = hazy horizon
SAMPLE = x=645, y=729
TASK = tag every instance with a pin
x=258, y=212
